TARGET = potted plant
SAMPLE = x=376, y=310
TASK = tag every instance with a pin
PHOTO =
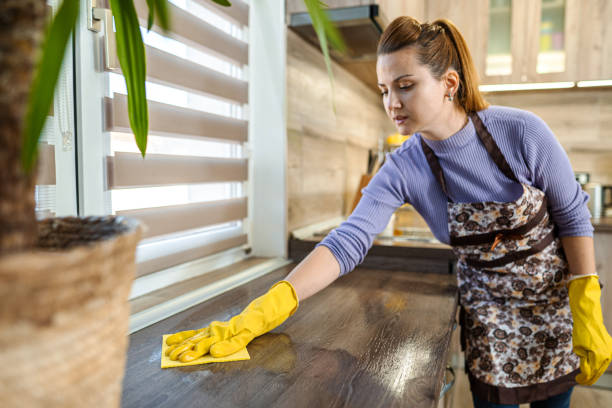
x=64, y=282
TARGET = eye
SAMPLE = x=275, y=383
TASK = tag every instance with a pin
x=383, y=93
x=406, y=87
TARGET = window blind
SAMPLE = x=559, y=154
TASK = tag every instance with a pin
x=57, y=122
x=44, y=192
x=190, y=190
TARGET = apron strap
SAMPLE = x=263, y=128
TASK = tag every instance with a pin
x=489, y=144
x=434, y=164
x=492, y=148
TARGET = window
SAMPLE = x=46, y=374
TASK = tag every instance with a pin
x=55, y=191
x=189, y=191
x=212, y=188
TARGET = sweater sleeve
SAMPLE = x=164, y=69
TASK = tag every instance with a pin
x=350, y=242
x=552, y=173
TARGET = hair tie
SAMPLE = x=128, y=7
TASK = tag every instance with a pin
x=433, y=28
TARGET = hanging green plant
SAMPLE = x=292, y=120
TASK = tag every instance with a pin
x=131, y=54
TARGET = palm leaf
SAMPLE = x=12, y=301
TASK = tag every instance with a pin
x=223, y=3
x=151, y=7
x=333, y=35
x=45, y=79
x=130, y=50
x=159, y=8
x=325, y=30
x=163, y=16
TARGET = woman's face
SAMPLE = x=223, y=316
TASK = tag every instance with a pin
x=412, y=97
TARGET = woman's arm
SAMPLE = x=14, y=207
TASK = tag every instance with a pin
x=552, y=173
x=385, y=193
x=317, y=271
x=580, y=254
x=346, y=246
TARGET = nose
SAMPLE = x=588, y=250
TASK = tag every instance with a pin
x=393, y=101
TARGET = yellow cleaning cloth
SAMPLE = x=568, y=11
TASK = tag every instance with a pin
x=166, y=362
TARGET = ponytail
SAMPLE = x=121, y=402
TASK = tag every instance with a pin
x=439, y=46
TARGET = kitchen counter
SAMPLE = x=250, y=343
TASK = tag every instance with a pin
x=372, y=338
x=390, y=253
x=603, y=224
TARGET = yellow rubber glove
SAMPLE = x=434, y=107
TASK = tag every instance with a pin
x=224, y=338
x=591, y=340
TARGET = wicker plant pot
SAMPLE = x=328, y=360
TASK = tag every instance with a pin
x=64, y=314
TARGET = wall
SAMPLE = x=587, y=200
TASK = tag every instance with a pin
x=327, y=153
x=580, y=118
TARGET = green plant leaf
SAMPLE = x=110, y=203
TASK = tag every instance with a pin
x=130, y=50
x=331, y=31
x=151, y=7
x=325, y=30
x=159, y=9
x=223, y=3
x=333, y=35
x=45, y=79
x=163, y=16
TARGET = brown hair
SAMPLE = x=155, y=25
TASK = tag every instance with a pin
x=439, y=46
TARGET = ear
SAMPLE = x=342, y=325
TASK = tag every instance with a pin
x=451, y=81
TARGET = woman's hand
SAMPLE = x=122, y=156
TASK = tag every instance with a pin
x=221, y=339
x=591, y=340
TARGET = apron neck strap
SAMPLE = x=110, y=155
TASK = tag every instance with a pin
x=489, y=144
x=434, y=164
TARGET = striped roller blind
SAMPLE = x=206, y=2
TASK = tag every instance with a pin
x=190, y=190
x=45, y=191
x=45, y=178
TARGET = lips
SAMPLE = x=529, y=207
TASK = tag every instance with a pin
x=399, y=119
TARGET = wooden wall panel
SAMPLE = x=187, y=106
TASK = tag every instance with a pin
x=307, y=209
x=356, y=165
x=327, y=153
x=391, y=9
x=580, y=119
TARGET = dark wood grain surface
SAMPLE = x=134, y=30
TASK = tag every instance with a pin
x=374, y=338
x=414, y=256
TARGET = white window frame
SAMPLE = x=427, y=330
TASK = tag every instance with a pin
x=65, y=187
x=65, y=149
x=267, y=147
x=268, y=205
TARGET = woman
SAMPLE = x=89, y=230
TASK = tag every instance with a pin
x=493, y=183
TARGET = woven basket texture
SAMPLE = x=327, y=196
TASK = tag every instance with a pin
x=64, y=314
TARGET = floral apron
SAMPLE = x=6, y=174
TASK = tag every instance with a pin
x=516, y=324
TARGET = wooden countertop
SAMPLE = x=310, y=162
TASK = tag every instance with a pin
x=372, y=338
x=390, y=254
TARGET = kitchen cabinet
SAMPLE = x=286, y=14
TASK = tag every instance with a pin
x=506, y=37
x=517, y=41
x=391, y=9
x=594, y=56
x=472, y=20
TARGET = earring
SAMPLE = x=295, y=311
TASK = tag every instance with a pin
x=450, y=97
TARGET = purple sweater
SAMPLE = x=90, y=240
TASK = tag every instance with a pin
x=529, y=146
